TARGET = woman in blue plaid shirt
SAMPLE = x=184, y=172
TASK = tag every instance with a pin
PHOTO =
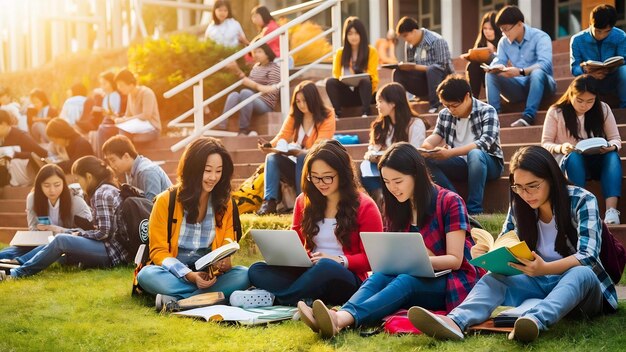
x=561, y=224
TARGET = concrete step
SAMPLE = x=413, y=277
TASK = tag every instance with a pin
x=510, y=148
x=13, y=219
x=7, y=233
x=532, y=134
x=9, y=192
x=12, y=204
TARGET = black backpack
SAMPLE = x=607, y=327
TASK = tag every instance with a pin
x=131, y=218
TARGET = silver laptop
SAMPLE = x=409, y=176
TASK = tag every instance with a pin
x=395, y=253
x=281, y=247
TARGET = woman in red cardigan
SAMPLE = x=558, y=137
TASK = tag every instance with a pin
x=329, y=215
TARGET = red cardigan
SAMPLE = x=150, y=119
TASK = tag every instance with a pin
x=368, y=220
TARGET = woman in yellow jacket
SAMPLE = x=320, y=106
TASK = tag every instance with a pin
x=356, y=56
x=308, y=121
x=202, y=221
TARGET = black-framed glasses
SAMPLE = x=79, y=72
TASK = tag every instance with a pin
x=324, y=179
x=532, y=189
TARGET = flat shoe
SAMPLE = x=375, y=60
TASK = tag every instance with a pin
x=525, y=330
x=431, y=325
x=306, y=315
x=325, y=320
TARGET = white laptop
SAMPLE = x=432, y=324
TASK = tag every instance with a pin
x=395, y=253
x=281, y=247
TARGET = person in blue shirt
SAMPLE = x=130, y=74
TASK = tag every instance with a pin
x=599, y=42
x=530, y=76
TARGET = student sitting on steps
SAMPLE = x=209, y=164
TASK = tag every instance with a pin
x=561, y=224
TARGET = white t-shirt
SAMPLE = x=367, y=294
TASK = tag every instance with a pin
x=464, y=135
x=546, y=237
x=326, y=242
x=226, y=33
x=53, y=213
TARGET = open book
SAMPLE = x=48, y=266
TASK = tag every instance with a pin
x=31, y=238
x=216, y=255
x=501, y=251
x=494, y=68
x=353, y=80
x=507, y=317
x=398, y=65
x=591, y=146
x=283, y=147
x=249, y=316
x=9, y=151
x=610, y=63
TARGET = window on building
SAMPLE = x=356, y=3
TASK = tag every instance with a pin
x=568, y=18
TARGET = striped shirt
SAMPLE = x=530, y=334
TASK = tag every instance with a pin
x=106, y=199
x=267, y=75
x=586, y=219
x=448, y=215
x=485, y=127
x=432, y=50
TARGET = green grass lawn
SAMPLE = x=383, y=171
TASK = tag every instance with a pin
x=65, y=309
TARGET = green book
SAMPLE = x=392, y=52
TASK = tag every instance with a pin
x=497, y=260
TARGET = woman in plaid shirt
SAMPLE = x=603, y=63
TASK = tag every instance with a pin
x=561, y=224
x=89, y=248
x=413, y=203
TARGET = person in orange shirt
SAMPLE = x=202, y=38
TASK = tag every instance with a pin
x=309, y=121
x=386, y=48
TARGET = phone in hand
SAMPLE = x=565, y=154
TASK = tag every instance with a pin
x=44, y=220
x=263, y=143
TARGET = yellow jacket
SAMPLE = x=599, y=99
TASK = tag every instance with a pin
x=157, y=229
x=372, y=66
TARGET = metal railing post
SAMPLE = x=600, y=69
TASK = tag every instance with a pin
x=335, y=22
x=198, y=113
x=284, y=74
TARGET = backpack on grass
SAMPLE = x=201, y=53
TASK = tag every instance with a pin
x=131, y=218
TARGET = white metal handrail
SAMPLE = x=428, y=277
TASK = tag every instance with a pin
x=316, y=7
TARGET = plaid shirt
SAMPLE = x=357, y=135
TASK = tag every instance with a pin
x=484, y=124
x=432, y=50
x=105, y=200
x=449, y=214
x=586, y=219
x=267, y=75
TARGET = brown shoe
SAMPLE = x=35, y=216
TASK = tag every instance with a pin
x=326, y=319
x=268, y=207
x=306, y=315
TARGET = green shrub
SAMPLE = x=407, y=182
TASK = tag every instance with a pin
x=162, y=64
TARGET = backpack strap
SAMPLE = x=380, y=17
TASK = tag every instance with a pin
x=170, y=215
x=236, y=220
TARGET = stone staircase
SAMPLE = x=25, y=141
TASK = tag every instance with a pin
x=247, y=157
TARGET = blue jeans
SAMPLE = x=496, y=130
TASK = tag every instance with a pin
x=156, y=279
x=616, y=79
x=605, y=167
x=257, y=106
x=382, y=295
x=327, y=280
x=13, y=252
x=478, y=168
x=422, y=84
x=277, y=166
x=533, y=88
x=578, y=288
x=87, y=252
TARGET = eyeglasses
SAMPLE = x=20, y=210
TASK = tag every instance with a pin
x=451, y=106
x=505, y=30
x=324, y=179
x=528, y=189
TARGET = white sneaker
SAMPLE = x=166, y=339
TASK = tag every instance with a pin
x=252, y=133
x=611, y=216
x=251, y=298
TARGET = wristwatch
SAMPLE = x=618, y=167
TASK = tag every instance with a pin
x=522, y=72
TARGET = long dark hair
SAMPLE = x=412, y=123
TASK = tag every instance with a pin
x=336, y=156
x=98, y=169
x=40, y=201
x=542, y=164
x=314, y=104
x=594, y=118
x=264, y=12
x=405, y=159
x=396, y=94
x=481, y=40
x=360, y=65
x=221, y=3
x=190, y=172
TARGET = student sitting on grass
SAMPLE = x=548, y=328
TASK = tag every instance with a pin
x=412, y=203
x=202, y=221
x=561, y=224
x=328, y=215
x=89, y=248
x=308, y=122
x=396, y=122
x=50, y=198
x=579, y=114
x=138, y=171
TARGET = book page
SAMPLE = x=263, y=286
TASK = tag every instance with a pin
x=509, y=239
x=216, y=255
x=482, y=237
